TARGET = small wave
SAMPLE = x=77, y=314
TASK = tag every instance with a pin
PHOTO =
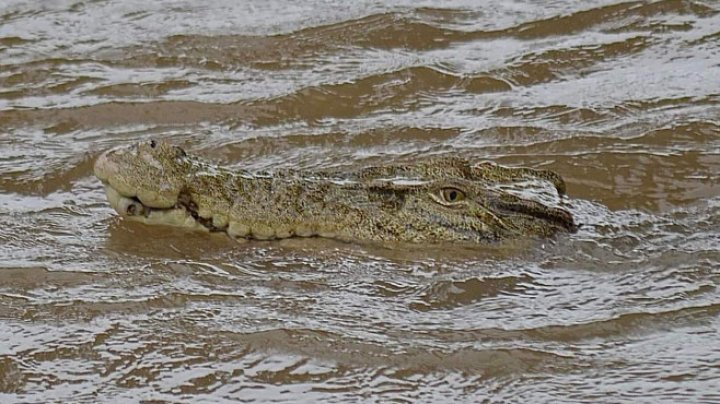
x=443, y=295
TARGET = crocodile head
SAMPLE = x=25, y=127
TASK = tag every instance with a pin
x=434, y=201
x=143, y=182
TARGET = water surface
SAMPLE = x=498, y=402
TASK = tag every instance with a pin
x=621, y=98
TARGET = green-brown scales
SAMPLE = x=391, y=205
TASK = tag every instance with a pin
x=440, y=200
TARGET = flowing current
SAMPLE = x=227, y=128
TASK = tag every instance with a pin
x=622, y=98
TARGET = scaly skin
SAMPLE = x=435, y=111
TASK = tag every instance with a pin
x=436, y=201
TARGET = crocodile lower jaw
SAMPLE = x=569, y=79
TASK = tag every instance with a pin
x=133, y=209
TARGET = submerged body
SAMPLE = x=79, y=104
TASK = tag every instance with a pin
x=437, y=201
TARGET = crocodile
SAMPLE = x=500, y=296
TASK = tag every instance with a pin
x=445, y=199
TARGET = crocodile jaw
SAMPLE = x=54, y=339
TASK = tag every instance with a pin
x=144, y=205
x=132, y=208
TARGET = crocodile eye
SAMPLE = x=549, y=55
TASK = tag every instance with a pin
x=153, y=144
x=452, y=195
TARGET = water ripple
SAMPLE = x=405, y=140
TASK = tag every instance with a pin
x=619, y=97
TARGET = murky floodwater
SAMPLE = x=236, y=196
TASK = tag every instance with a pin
x=621, y=98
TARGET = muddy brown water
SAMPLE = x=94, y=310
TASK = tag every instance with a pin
x=621, y=98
